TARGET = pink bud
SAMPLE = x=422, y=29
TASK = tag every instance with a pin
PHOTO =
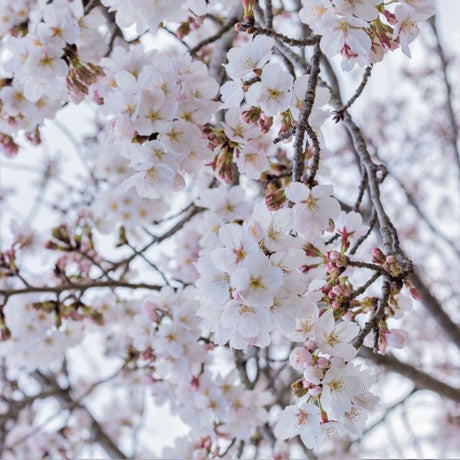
x=299, y=357
x=315, y=391
x=378, y=257
x=416, y=294
x=390, y=17
x=311, y=345
x=323, y=363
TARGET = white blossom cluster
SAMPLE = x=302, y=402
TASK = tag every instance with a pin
x=363, y=31
x=40, y=58
x=247, y=272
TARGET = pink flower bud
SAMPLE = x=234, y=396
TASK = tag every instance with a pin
x=323, y=363
x=311, y=345
x=299, y=357
x=416, y=294
x=315, y=391
x=378, y=257
x=390, y=17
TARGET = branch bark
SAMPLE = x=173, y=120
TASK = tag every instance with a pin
x=100, y=436
x=421, y=379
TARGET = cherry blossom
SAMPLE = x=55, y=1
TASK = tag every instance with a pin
x=257, y=281
x=303, y=421
x=361, y=8
x=334, y=338
x=186, y=247
x=272, y=93
x=249, y=57
x=340, y=385
x=313, y=208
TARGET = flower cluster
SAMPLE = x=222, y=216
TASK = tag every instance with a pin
x=364, y=30
x=42, y=50
x=158, y=106
x=257, y=266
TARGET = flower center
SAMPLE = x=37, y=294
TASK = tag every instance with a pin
x=256, y=283
x=274, y=94
x=332, y=339
x=302, y=418
x=335, y=386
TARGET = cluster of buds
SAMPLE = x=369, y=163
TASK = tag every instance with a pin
x=75, y=310
x=276, y=179
x=306, y=360
x=34, y=136
x=287, y=124
x=388, y=263
x=255, y=116
x=191, y=24
x=64, y=239
x=382, y=34
x=81, y=74
x=8, y=146
x=222, y=163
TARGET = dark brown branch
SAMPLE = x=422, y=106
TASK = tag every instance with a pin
x=78, y=287
x=100, y=436
x=434, y=307
x=254, y=30
x=268, y=10
x=158, y=239
x=373, y=323
x=449, y=95
x=303, y=125
x=421, y=379
x=363, y=288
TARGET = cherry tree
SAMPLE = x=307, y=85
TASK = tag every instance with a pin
x=207, y=213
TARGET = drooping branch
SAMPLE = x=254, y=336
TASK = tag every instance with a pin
x=432, y=304
x=99, y=434
x=421, y=379
x=449, y=94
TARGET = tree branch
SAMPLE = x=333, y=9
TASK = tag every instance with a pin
x=421, y=379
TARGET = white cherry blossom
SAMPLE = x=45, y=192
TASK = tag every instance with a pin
x=406, y=28
x=340, y=385
x=303, y=421
x=258, y=281
x=335, y=339
x=364, y=9
x=249, y=57
x=273, y=92
x=313, y=207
